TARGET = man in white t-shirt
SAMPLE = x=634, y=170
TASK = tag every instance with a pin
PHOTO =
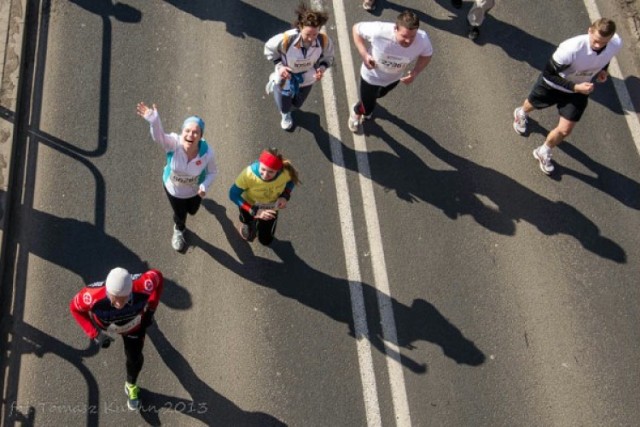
x=567, y=82
x=391, y=49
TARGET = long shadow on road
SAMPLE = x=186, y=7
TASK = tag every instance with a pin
x=456, y=192
x=296, y=279
x=515, y=42
x=242, y=19
x=207, y=405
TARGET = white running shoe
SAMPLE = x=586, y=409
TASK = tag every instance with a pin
x=177, y=241
x=519, y=121
x=354, y=119
x=545, y=161
x=287, y=122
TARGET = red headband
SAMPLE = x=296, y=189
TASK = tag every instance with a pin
x=270, y=161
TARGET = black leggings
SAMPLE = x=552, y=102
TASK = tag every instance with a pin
x=133, y=345
x=265, y=229
x=369, y=94
x=182, y=207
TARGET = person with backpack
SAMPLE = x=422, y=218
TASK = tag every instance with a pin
x=300, y=56
x=189, y=171
x=260, y=191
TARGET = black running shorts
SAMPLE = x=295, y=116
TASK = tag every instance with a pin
x=570, y=105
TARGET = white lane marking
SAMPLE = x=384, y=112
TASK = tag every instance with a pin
x=367, y=375
x=394, y=366
x=618, y=83
x=361, y=330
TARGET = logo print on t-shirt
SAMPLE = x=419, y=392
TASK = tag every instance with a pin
x=86, y=298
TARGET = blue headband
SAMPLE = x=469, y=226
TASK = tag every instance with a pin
x=194, y=119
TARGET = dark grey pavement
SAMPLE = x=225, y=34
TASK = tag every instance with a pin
x=514, y=295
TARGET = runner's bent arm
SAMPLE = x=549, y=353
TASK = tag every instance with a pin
x=80, y=311
x=273, y=49
x=235, y=194
x=421, y=64
x=326, y=59
x=552, y=72
x=212, y=172
x=158, y=282
x=361, y=45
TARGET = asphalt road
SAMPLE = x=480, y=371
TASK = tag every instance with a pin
x=440, y=279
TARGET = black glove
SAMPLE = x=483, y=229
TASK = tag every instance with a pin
x=103, y=340
x=147, y=318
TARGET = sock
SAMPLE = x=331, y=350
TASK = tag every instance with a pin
x=544, y=149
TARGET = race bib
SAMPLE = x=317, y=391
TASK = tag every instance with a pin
x=389, y=63
x=266, y=206
x=122, y=329
x=183, y=180
x=301, y=65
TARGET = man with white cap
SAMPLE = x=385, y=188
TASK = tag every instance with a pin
x=124, y=304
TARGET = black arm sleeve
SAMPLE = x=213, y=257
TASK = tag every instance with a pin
x=552, y=73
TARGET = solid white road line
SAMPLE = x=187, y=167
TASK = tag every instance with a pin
x=361, y=329
x=618, y=83
x=367, y=375
x=394, y=366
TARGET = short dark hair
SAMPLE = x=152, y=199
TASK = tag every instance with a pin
x=408, y=20
x=604, y=26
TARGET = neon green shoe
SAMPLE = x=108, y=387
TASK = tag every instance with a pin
x=132, y=390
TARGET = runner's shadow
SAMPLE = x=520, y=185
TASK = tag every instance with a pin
x=85, y=250
x=206, y=406
x=513, y=200
x=515, y=42
x=623, y=189
x=242, y=19
x=78, y=246
x=633, y=86
x=120, y=11
x=404, y=173
x=620, y=187
x=457, y=192
x=296, y=279
x=605, y=94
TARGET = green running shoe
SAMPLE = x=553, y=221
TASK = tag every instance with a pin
x=132, y=390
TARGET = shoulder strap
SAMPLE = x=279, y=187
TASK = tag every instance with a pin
x=285, y=42
x=323, y=40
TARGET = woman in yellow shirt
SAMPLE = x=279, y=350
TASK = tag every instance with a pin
x=260, y=191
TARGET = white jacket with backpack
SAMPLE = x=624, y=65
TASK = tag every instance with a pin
x=287, y=49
